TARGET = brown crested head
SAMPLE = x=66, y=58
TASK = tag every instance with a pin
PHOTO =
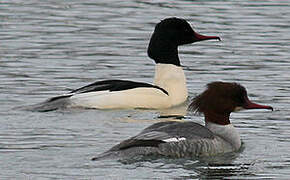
x=222, y=98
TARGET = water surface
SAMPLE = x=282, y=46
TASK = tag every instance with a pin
x=51, y=47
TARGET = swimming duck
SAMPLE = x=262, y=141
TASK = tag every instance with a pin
x=169, y=88
x=189, y=139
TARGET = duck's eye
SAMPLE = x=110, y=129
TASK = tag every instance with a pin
x=240, y=100
x=187, y=30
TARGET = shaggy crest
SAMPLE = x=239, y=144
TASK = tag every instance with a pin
x=220, y=97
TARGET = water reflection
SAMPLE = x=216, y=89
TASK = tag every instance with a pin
x=217, y=167
x=225, y=171
x=177, y=112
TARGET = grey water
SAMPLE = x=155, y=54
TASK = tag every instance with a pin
x=50, y=47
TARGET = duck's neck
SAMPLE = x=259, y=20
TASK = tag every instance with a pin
x=217, y=118
x=172, y=79
x=226, y=132
x=163, y=51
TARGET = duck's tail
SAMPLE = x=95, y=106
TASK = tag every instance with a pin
x=58, y=102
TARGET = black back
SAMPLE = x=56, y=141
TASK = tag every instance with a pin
x=115, y=85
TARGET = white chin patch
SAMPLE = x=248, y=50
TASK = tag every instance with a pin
x=174, y=139
x=239, y=108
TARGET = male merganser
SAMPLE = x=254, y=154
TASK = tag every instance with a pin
x=169, y=87
x=189, y=139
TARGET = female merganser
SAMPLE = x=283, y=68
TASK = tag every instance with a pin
x=169, y=87
x=189, y=139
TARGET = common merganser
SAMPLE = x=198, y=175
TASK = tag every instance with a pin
x=169, y=87
x=189, y=139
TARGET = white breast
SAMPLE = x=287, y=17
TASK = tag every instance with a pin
x=226, y=132
x=172, y=79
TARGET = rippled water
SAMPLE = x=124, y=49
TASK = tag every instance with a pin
x=50, y=47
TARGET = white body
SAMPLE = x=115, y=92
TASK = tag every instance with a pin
x=167, y=76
